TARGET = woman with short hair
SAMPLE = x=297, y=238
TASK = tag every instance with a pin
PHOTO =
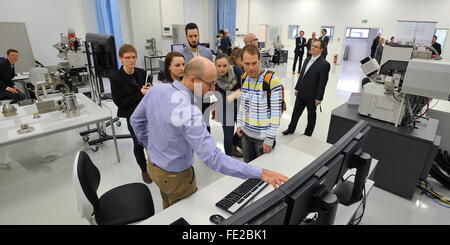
x=128, y=86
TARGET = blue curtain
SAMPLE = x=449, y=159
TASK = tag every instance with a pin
x=108, y=18
x=225, y=11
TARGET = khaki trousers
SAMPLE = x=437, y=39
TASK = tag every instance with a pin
x=173, y=186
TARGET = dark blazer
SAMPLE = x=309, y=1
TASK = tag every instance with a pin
x=125, y=93
x=225, y=45
x=7, y=73
x=300, y=43
x=311, y=86
x=326, y=39
x=374, y=46
x=308, y=45
x=436, y=46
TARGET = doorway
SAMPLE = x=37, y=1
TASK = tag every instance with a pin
x=357, y=46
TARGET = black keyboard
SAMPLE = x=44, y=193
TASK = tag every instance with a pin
x=237, y=199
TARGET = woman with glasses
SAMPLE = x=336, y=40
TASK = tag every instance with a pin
x=128, y=86
x=228, y=85
x=173, y=67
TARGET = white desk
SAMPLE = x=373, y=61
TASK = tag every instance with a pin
x=52, y=122
x=197, y=208
x=287, y=159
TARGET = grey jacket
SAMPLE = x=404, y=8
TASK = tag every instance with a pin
x=203, y=51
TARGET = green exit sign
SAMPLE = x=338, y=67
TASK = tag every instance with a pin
x=364, y=21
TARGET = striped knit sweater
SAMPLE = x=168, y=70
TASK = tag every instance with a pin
x=255, y=117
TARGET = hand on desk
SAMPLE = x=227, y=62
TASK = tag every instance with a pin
x=273, y=178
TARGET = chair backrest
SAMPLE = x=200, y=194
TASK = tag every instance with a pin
x=86, y=179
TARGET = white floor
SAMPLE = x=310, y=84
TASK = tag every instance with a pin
x=36, y=188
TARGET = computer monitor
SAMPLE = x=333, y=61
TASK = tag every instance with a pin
x=311, y=188
x=103, y=53
x=177, y=47
x=261, y=45
x=305, y=189
x=271, y=209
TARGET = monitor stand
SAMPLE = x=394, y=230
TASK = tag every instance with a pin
x=348, y=192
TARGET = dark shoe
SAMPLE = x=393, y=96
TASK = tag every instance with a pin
x=146, y=178
x=287, y=131
x=307, y=134
x=235, y=152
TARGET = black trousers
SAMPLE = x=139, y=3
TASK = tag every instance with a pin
x=298, y=56
x=298, y=110
x=8, y=95
x=138, y=149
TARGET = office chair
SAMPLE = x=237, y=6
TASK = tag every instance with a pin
x=122, y=205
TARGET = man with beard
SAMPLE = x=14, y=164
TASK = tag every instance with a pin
x=193, y=49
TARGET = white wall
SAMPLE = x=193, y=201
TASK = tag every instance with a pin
x=45, y=20
x=357, y=49
x=242, y=17
x=312, y=14
x=90, y=17
x=148, y=17
x=125, y=19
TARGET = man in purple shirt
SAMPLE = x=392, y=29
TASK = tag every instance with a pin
x=169, y=124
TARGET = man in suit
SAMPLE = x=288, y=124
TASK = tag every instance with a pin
x=374, y=46
x=128, y=87
x=300, y=43
x=225, y=43
x=326, y=39
x=8, y=90
x=435, y=45
x=310, y=43
x=310, y=88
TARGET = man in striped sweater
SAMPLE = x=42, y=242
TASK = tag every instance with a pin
x=259, y=115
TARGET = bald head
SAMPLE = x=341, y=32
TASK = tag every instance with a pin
x=251, y=40
x=200, y=71
x=198, y=66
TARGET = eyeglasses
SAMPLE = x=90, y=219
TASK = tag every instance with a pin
x=129, y=57
x=210, y=85
x=256, y=39
x=315, y=46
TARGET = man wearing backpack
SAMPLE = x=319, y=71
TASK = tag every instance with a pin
x=310, y=88
x=260, y=108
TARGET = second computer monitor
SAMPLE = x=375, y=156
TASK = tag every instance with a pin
x=261, y=45
x=303, y=190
